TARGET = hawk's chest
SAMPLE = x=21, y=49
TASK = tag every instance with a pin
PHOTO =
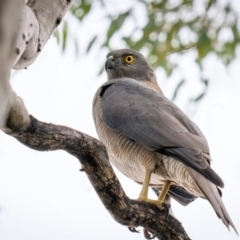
x=127, y=156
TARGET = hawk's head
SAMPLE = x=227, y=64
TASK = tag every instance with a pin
x=128, y=63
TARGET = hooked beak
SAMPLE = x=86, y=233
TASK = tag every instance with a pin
x=109, y=64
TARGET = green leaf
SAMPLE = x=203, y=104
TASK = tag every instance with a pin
x=203, y=45
x=65, y=33
x=91, y=43
x=157, y=4
x=116, y=24
x=199, y=97
x=180, y=84
x=205, y=81
x=81, y=8
x=57, y=35
x=101, y=70
x=76, y=46
x=86, y=7
x=209, y=4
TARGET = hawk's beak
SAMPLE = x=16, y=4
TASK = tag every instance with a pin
x=109, y=64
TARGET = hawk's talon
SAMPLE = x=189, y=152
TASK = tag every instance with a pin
x=133, y=229
x=162, y=206
x=167, y=209
x=148, y=235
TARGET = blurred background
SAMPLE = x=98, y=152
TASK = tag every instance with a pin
x=194, y=47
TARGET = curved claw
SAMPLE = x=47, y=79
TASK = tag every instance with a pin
x=166, y=209
x=148, y=235
x=133, y=229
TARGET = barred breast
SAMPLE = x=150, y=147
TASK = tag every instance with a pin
x=128, y=157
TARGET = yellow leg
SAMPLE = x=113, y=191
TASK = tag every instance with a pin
x=144, y=192
x=164, y=192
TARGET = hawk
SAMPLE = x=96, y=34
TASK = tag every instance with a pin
x=149, y=139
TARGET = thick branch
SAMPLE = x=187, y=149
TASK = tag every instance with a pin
x=38, y=20
x=94, y=160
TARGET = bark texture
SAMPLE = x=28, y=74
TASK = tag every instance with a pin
x=39, y=18
x=94, y=160
x=8, y=30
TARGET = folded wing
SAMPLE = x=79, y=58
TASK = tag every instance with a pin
x=148, y=118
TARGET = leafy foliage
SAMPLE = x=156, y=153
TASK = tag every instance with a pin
x=209, y=26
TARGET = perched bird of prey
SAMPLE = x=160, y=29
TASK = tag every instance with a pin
x=149, y=139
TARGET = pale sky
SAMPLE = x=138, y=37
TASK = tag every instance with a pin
x=43, y=196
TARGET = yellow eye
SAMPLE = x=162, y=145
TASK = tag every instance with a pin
x=129, y=59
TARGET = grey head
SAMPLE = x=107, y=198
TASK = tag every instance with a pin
x=127, y=63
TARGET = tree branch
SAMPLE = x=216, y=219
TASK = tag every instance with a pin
x=39, y=18
x=94, y=160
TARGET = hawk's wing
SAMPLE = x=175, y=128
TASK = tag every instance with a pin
x=148, y=118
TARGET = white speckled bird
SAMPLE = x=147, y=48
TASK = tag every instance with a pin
x=149, y=139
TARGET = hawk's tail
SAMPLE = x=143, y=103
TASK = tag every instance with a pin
x=212, y=194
